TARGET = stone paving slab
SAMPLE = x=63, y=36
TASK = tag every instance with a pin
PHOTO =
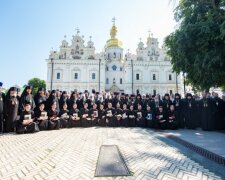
x=73, y=154
x=209, y=140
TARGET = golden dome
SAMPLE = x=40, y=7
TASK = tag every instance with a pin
x=113, y=41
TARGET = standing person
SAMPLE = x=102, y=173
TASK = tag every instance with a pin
x=41, y=116
x=85, y=117
x=74, y=120
x=161, y=118
x=94, y=115
x=131, y=117
x=124, y=120
x=2, y=99
x=155, y=103
x=190, y=112
x=166, y=102
x=63, y=99
x=26, y=122
x=172, y=118
x=140, y=117
x=11, y=107
x=137, y=101
x=207, y=112
x=39, y=97
x=52, y=98
x=101, y=112
x=150, y=118
x=218, y=103
x=26, y=96
x=110, y=115
x=177, y=102
x=54, y=120
x=119, y=112
x=64, y=116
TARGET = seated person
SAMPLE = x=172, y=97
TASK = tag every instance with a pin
x=149, y=118
x=171, y=118
x=54, y=120
x=161, y=120
x=41, y=116
x=74, y=120
x=64, y=116
x=26, y=122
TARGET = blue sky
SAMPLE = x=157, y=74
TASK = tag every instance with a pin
x=30, y=28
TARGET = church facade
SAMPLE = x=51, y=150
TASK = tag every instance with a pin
x=77, y=67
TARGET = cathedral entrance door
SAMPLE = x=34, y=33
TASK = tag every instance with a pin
x=114, y=88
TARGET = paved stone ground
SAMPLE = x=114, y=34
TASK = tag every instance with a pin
x=73, y=154
x=205, y=139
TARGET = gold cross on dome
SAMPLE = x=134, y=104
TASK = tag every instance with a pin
x=78, y=31
x=149, y=33
x=113, y=20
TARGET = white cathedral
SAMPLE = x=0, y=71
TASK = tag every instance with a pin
x=77, y=67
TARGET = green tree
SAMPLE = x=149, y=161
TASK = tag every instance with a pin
x=197, y=47
x=36, y=83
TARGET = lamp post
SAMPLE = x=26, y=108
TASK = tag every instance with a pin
x=132, y=71
x=176, y=83
x=184, y=75
x=51, y=73
x=99, y=72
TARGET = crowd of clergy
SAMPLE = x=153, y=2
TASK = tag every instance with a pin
x=51, y=110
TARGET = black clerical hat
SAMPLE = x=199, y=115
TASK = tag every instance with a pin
x=41, y=89
x=27, y=103
x=41, y=102
x=13, y=89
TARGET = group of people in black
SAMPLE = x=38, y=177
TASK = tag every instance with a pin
x=54, y=110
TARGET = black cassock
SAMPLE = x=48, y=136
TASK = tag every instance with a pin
x=131, y=118
x=62, y=101
x=166, y=104
x=39, y=99
x=179, y=108
x=75, y=118
x=11, y=106
x=26, y=128
x=150, y=119
x=155, y=105
x=219, y=122
x=101, y=121
x=161, y=120
x=2, y=98
x=110, y=117
x=42, y=124
x=85, y=118
x=94, y=116
x=64, y=118
x=54, y=122
x=207, y=114
x=118, y=119
x=190, y=114
x=172, y=120
x=26, y=98
x=124, y=119
x=140, y=118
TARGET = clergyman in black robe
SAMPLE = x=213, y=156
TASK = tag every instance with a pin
x=26, y=122
x=190, y=112
x=75, y=117
x=41, y=116
x=207, y=113
x=2, y=98
x=54, y=120
x=27, y=96
x=11, y=107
